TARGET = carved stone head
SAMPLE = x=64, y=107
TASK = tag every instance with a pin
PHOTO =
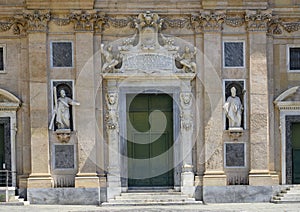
x=112, y=98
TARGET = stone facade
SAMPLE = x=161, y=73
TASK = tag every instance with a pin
x=107, y=50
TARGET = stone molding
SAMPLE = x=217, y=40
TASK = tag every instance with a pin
x=95, y=21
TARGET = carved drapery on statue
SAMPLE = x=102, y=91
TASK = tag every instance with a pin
x=61, y=120
x=147, y=51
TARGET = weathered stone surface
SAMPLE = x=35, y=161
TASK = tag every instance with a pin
x=64, y=196
x=238, y=194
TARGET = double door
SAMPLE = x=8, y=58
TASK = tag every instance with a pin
x=150, y=140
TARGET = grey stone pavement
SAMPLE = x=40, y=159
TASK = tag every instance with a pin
x=210, y=207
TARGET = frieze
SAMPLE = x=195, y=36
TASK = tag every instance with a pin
x=234, y=21
x=32, y=20
x=177, y=23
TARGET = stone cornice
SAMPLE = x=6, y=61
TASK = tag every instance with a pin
x=204, y=21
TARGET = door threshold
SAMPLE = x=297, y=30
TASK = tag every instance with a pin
x=152, y=189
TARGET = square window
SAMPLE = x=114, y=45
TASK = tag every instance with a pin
x=235, y=155
x=294, y=60
x=233, y=54
x=61, y=55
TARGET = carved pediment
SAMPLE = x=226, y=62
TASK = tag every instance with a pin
x=289, y=99
x=148, y=50
x=8, y=101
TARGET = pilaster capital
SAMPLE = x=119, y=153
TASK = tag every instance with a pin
x=37, y=20
x=212, y=21
x=257, y=21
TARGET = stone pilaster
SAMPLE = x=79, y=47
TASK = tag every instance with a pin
x=84, y=116
x=214, y=171
x=259, y=108
x=112, y=128
x=186, y=131
x=37, y=50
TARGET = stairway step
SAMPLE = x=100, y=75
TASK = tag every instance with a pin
x=151, y=203
x=15, y=203
x=152, y=200
x=145, y=196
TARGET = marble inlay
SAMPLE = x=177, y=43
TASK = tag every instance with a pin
x=233, y=54
x=235, y=154
x=62, y=54
x=64, y=156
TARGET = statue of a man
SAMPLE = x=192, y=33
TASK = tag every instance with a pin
x=233, y=109
x=63, y=113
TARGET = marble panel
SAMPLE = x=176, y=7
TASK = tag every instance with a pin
x=64, y=196
x=62, y=55
x=235, y=154
x=234, y=54
x=238, y=193
x=64, y=156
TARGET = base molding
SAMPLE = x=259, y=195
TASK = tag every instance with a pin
x=262, y=178
x=216, y=178
x=39, y=181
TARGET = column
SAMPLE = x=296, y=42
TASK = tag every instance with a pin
x=37, y=50
x=213, y=106
x=85, y=121
x=259, y=104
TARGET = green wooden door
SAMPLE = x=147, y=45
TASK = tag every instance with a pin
x=296, y=152
x=2, y=152
x=149, y=138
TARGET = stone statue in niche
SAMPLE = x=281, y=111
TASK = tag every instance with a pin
x=61, y=111
x=110, y=61
x=233, y=110
x=186, y=60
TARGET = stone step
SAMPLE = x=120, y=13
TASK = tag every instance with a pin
x=283, y=202
x=153, y=200
x=160, y=197
x=151, y=203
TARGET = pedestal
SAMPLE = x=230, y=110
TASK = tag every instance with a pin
x=187, y=184
x=87, y=181
x=261, y=178
x=214, y=178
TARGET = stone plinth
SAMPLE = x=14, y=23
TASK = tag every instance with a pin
x=214, y=178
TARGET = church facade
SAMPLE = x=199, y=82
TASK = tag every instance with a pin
x=98, y=98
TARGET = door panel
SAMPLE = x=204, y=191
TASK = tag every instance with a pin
x=2, y=146
x=150, y=136
x=296, y=152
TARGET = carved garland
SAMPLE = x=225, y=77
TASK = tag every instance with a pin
x=95, y=21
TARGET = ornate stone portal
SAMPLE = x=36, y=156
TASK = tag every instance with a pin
x=146, y=63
